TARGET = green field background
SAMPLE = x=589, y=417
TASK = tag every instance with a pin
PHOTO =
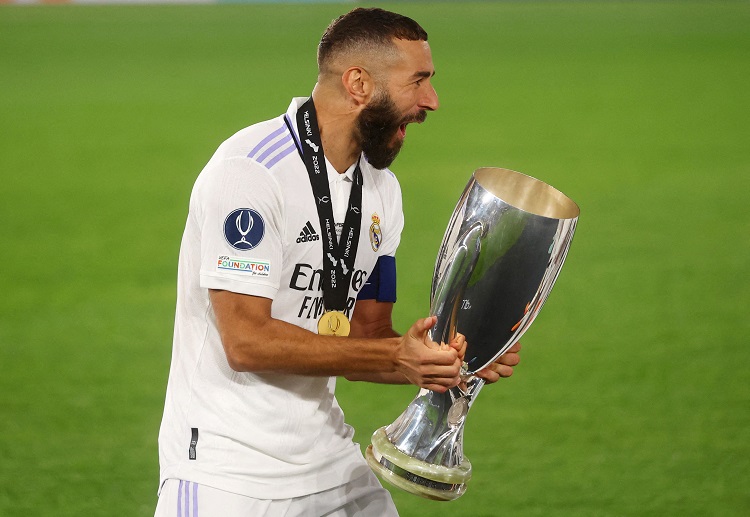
x=633, y=395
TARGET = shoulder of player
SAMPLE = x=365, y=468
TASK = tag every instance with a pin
x=244, y=155
x=264, y=142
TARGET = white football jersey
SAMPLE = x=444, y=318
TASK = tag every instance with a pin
x=253, y=228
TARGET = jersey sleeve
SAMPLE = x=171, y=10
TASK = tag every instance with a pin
x=381, y=282
x=394, y=224
x=240, y=214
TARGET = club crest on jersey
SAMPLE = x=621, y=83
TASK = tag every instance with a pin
x=244, y=229
x=376, y=234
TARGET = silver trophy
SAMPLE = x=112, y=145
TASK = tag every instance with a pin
x=502, y=251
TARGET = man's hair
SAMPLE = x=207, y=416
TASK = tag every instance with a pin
x=364, y=29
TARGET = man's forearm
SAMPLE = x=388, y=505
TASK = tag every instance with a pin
x=277, y=346
x=254, y=341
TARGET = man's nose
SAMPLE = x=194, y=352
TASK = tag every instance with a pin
x=429, y=100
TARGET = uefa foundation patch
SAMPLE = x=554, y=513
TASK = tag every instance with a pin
x=248, y=266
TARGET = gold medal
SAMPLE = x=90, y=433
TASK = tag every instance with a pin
x=333, y=323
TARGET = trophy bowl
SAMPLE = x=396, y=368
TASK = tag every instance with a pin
x=502, y=252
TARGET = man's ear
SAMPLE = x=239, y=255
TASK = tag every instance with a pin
x=359, y=85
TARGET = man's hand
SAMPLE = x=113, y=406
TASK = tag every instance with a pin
x=458, y=343
x=426, y=363
x=503, y=366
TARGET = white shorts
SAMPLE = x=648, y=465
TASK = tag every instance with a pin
x=361, y=497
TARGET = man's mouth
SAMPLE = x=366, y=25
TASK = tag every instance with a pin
x=418, y=118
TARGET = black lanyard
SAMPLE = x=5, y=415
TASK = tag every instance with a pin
x=338, y=256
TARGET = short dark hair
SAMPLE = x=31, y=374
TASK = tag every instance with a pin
x=366, y=27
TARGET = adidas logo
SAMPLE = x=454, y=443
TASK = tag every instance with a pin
x=308, y=234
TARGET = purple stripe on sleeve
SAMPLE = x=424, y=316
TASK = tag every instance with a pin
x=195, y=499
x=179, y=500
x=270, y=163
x=275, y=146
x=265, y=141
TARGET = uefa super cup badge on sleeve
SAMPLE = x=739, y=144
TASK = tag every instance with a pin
x=501, y=254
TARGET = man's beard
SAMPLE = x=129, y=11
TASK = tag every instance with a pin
x=377, y=126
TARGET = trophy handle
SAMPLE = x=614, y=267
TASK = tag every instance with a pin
x=450, y=287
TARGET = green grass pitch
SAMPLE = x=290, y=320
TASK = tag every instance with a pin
x=633, y=396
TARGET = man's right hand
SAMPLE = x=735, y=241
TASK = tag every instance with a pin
x=426, y=363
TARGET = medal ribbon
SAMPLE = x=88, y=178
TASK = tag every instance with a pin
x=338, y=256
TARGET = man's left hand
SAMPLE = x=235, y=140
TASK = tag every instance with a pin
x=503, y=365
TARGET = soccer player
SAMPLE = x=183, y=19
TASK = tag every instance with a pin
x=286, y=280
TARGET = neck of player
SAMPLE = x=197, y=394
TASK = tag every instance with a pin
x=337, y=123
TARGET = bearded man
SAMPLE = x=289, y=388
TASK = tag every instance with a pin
x=287, y=279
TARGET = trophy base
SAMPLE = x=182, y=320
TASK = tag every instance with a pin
x=417, y=477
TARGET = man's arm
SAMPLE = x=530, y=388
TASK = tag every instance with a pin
x=254, y=341
x=373, y=319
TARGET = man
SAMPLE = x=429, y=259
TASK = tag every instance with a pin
x=290, y=239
